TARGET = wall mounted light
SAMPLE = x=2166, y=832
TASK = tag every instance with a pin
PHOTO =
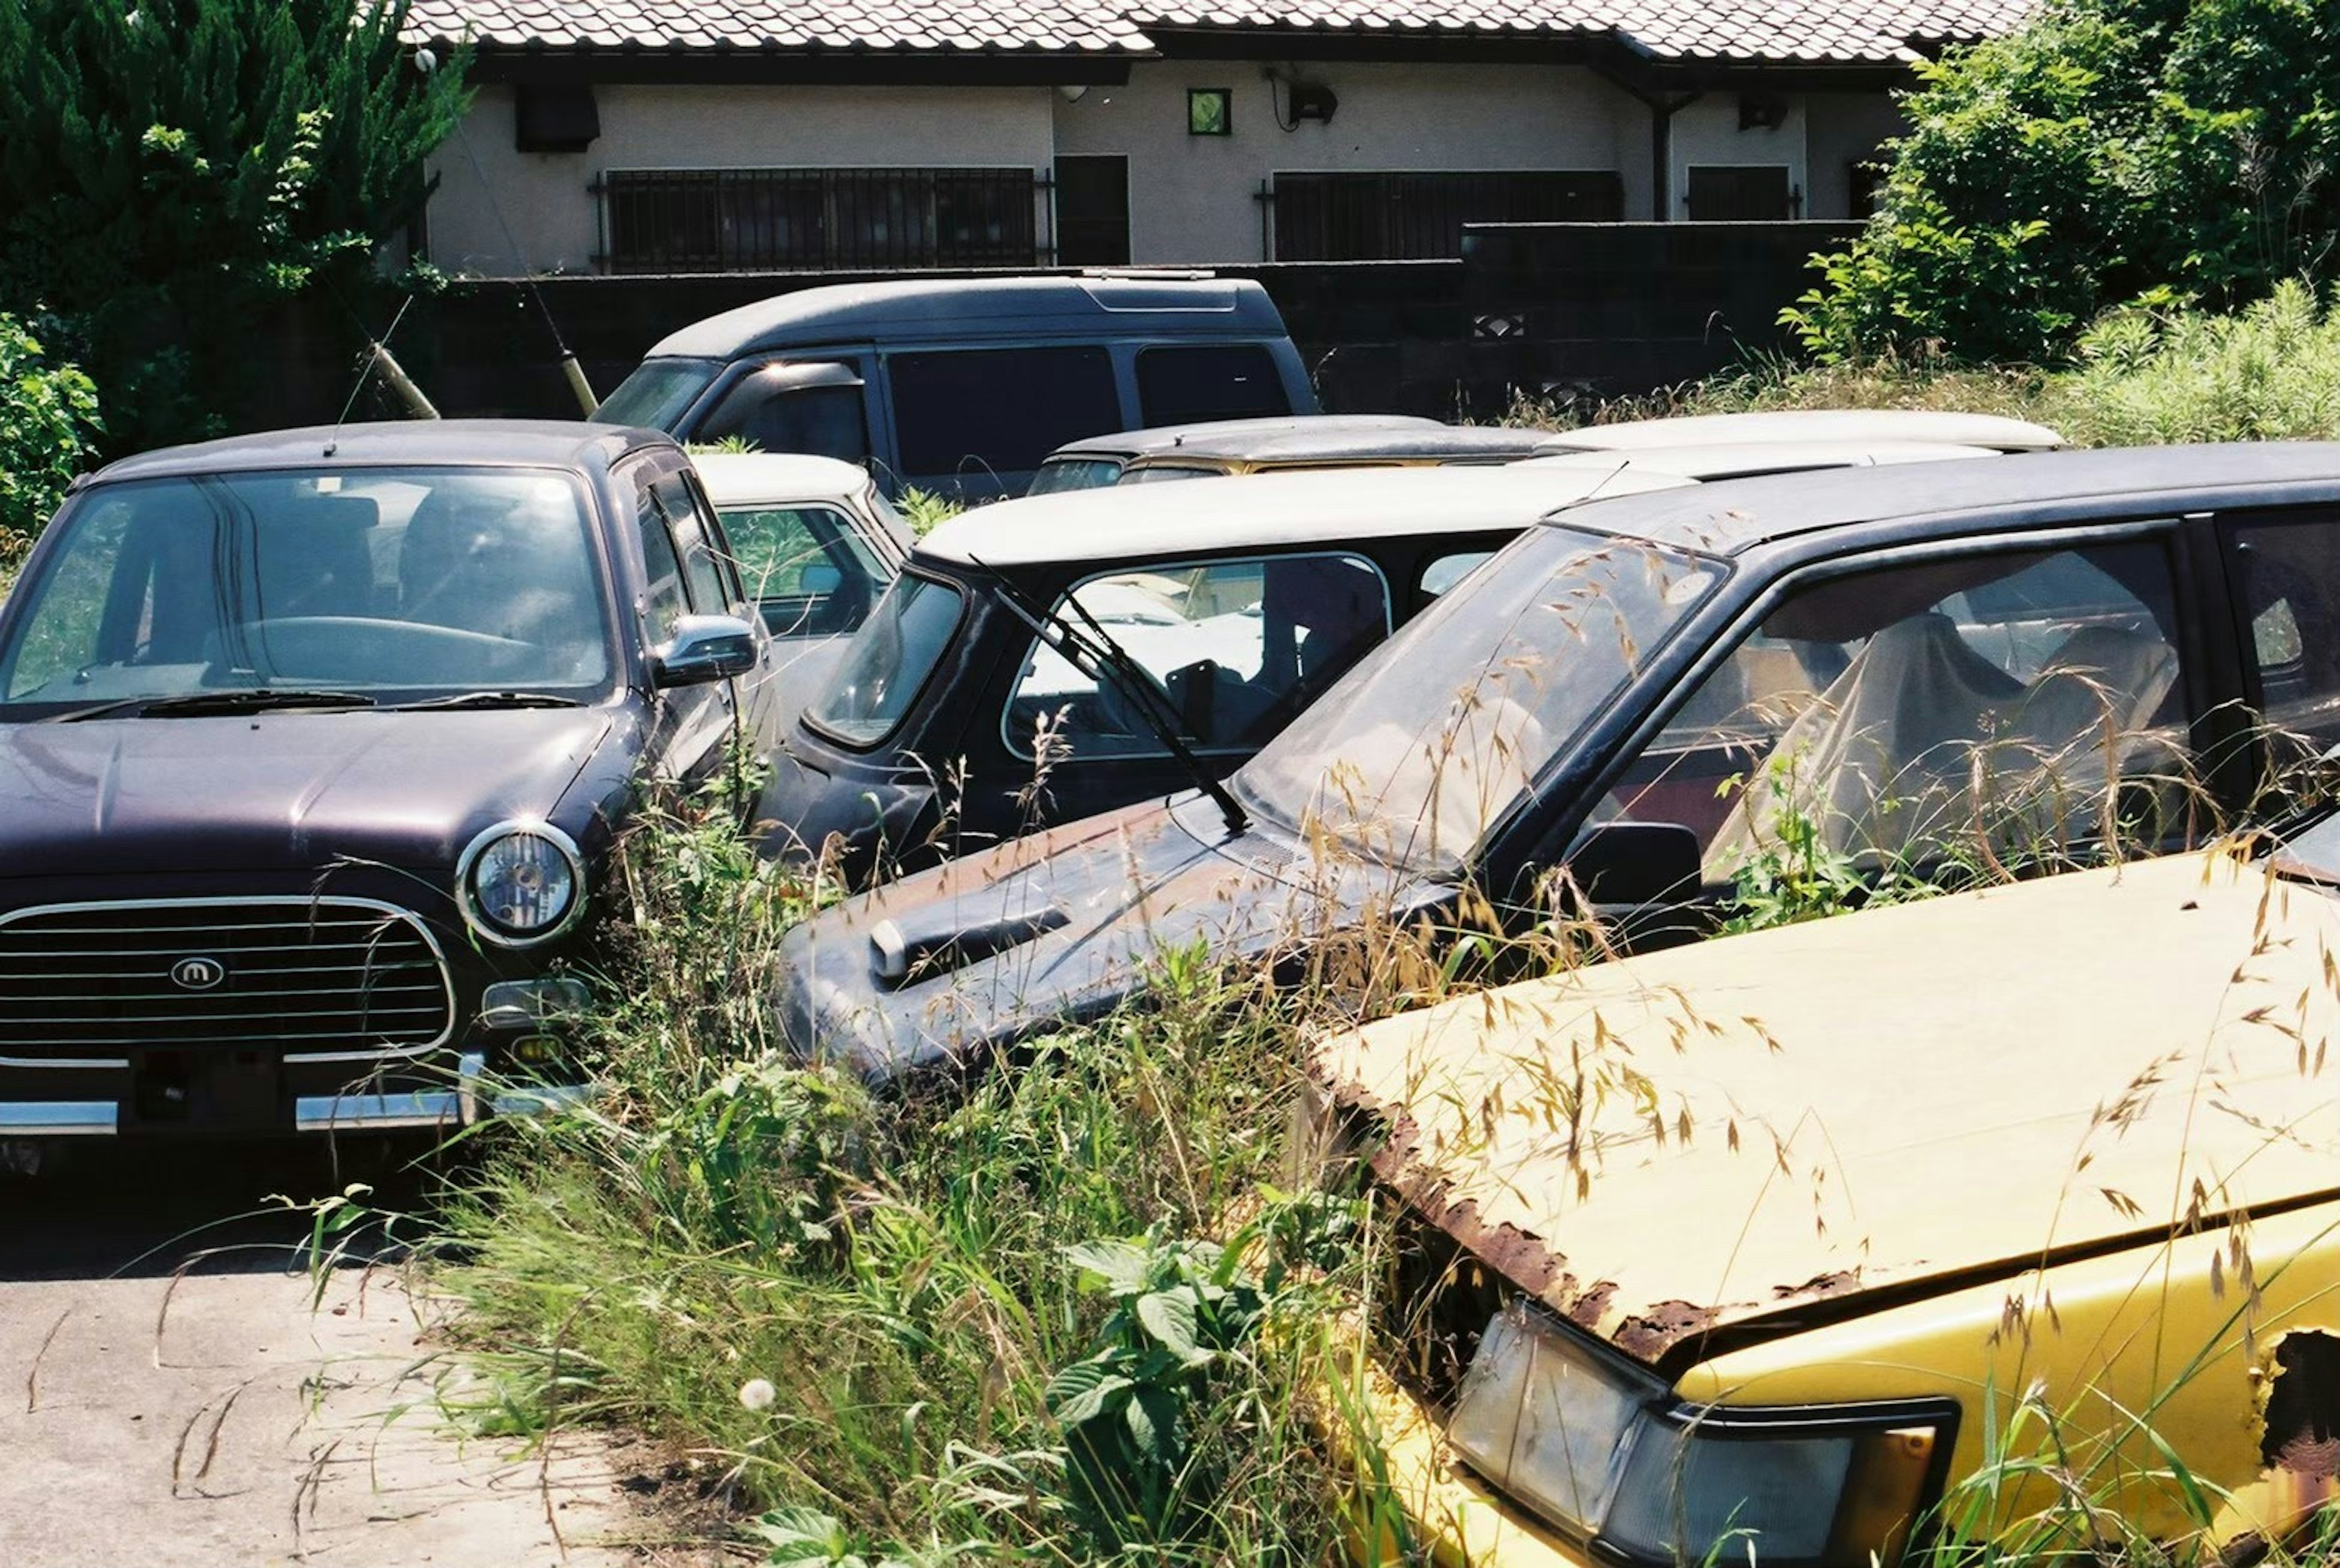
x=1210, y=112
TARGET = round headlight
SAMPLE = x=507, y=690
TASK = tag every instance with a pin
x=521, y=882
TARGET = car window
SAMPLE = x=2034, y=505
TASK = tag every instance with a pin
x=423, y=579
x=1064, y=473
x=2286, y=576
x=1981, y=704
x=808, y=568
x=888, y=661
x=998, y=411
x=1237, y=648
x=663, y=599
x=1179, y=385
x=1156, y=473
x=703, y=580
x=826, y=421
x=1449, y=570
x=658, y=392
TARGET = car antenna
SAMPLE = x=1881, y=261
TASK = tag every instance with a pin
x=1106, y=658
x=378, y=357
x=570, y=368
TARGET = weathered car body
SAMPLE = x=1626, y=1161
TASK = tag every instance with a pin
x=1098, y=461
x=316, y=744
x=1311, y=446
x=1873, y=1207
x=1995, y=432
x=950, y=722
x=816, y=543
x=1646, y=692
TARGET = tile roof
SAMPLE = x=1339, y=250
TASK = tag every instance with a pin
x=1817, y=32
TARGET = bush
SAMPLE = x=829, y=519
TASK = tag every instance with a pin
x=2111, y=151
x=48, y=414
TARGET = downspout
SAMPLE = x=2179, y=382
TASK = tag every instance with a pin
x=1664, y=107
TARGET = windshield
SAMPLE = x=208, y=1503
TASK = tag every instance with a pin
x=1062, y=473
x=417, y=582
x=888, y=661
x=658, y=392
x=1439, y=732
x=1158, y=472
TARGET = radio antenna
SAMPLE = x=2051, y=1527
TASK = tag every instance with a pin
x=569, y=365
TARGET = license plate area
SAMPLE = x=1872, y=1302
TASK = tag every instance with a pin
x=231, y=1088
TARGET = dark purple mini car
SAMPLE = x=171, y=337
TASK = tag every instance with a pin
x=313, y=745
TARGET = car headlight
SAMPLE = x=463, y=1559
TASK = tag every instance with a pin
x=1605, y=1454
x=521, y=883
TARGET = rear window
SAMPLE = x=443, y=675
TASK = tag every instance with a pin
x=888, y=661
x=998, y=411
x=1231, y=380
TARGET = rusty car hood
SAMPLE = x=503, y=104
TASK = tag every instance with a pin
x=1714, y=1139
x=278, y=791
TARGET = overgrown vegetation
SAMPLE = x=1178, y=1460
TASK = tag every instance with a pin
x=2111, y=153
x=48, y=419
x=170, y=169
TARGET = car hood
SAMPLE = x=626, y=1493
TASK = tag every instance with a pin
x=1715, y=1138
x=278, y=791
x=1050, y=929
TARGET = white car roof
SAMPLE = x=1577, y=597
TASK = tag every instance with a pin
x=1745, y=459
x=777, y=478
x=1848, y=424
x=1128, y=522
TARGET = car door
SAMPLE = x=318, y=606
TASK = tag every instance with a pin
x=681, y=576
x=813, y=572
x=1934, y=715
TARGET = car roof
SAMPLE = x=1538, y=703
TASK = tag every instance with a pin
x=768, y=478
x=1129, y=523
x=1749, y=460
x=984, y=309
x=1861, y=424
x=459, y=443
x=1167, y=437
x=1740, y=514
x=1312, y=444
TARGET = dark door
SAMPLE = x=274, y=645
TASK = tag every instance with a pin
x=1092, y=212
x=682, y=576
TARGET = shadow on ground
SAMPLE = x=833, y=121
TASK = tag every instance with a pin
x=131, y=1209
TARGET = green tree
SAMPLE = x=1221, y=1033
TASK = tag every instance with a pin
x=170, y=168
x=2111, y=151
x=48, y=413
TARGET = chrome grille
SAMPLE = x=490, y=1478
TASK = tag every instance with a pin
x=308, y=976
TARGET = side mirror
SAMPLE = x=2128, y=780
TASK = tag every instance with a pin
x=1636, y=865
x=704, y=648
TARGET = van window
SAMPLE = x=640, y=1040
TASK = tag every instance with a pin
x=824, y=420
x=998, y=411
x=1231, y=381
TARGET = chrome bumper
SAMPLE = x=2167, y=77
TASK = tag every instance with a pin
x=445, y=1109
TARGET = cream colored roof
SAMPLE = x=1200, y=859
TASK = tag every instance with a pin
x=777, y=478
x=1883, y=1098
x=1834, y=424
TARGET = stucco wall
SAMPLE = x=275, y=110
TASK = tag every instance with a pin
x=1845, y=128
x=1194, y=198
x=1707, y=132
x=553, y=215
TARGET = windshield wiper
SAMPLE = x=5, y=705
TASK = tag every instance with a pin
x=1095, y=653
x=206, y=704
x=487, y=700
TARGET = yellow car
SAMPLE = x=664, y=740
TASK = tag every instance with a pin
x=2014, y=1213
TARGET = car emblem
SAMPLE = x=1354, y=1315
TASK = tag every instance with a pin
x=197, y=974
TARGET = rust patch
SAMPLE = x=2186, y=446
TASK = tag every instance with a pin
x=1590, y=1304
x=1843, y=1282
x=1652, y=1333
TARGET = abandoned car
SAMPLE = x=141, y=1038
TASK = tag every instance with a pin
x=1995, y=433
x=978, y=700
x=2003, y=1206
x=816, y=542
x=1657, y=694
x=315, y=743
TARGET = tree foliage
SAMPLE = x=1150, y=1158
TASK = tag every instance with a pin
x=48, y=413
x=169, y=167
x=2113, y=152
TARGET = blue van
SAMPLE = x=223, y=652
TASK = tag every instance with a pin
x=963, y=386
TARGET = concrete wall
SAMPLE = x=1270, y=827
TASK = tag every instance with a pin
x=555, y=217
x=1707, y=132
x=1194, y=198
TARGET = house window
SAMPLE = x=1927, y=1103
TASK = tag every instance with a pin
x=1739, y=193
x=1092, y=212
x=749, y=219
x=1364, y=217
